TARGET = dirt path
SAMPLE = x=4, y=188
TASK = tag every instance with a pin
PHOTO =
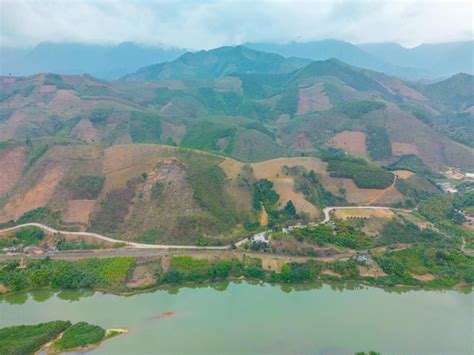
x=392, y=186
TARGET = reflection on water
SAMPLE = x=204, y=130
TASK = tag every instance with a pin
x=42, y=295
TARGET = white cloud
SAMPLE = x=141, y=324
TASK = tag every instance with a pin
x=207, y=23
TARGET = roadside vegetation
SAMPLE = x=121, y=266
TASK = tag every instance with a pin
x=110, y=273
x=25, y=236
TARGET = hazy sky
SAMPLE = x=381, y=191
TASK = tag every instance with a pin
x=197, y=24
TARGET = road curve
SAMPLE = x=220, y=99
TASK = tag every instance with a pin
x=46, y=228
x=112, y=240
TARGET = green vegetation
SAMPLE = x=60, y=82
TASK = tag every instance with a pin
x=312, y=188
x=211, y=137
x=358, y=109
x=415, y=189
x=403, y=231
x=145, y=127
x=449, y=267
x=207, y=180
x=86, y=273
x=86, y=187
x=288, y=102
x=39, y=215
x=149, y=237
x=80, y=335
x=342, y=235
x=27, y=339
x=378, y=143
x=25, y=236
x=414, y=164
x=64, y=244
x=263, y=194
x=57, y=80
x=99, y=116
x=157, y=191
x=364, y=175
x=35, y=152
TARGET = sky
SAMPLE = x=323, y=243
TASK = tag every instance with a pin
x=204, y=24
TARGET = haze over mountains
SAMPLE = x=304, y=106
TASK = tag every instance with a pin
x=427, y=61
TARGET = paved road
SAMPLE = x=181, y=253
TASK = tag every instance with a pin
x=326, y=211
x=112, y=240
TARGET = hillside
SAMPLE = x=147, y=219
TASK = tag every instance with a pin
x=155, y=193
x=254, y=116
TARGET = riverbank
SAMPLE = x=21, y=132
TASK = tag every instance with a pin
x=129, y=276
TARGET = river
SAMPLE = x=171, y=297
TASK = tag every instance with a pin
x=244, y=318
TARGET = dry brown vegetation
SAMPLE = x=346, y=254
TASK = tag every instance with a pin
x=351, y=141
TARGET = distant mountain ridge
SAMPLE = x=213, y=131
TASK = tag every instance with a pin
x=101, y=61
x=427, y=61
x=219, y=62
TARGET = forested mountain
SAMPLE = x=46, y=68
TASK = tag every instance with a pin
x=211, y=127
x=219, y=62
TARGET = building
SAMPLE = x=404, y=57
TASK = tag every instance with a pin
x=259, y=238
x=447, y=187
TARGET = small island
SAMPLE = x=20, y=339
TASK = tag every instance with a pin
x=53, y=337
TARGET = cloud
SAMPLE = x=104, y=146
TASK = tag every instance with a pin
x=197, y=24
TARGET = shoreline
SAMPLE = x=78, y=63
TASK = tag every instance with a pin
x=327, y=281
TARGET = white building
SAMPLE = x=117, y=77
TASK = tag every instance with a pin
x=259, y=238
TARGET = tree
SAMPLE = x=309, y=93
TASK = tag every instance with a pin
x=290, y=209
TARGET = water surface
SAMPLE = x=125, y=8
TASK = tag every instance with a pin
x=241, y=318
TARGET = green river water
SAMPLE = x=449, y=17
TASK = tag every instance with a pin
x=243, y=318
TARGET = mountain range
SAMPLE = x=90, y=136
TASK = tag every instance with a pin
x=180, y=150
x=427, y=61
